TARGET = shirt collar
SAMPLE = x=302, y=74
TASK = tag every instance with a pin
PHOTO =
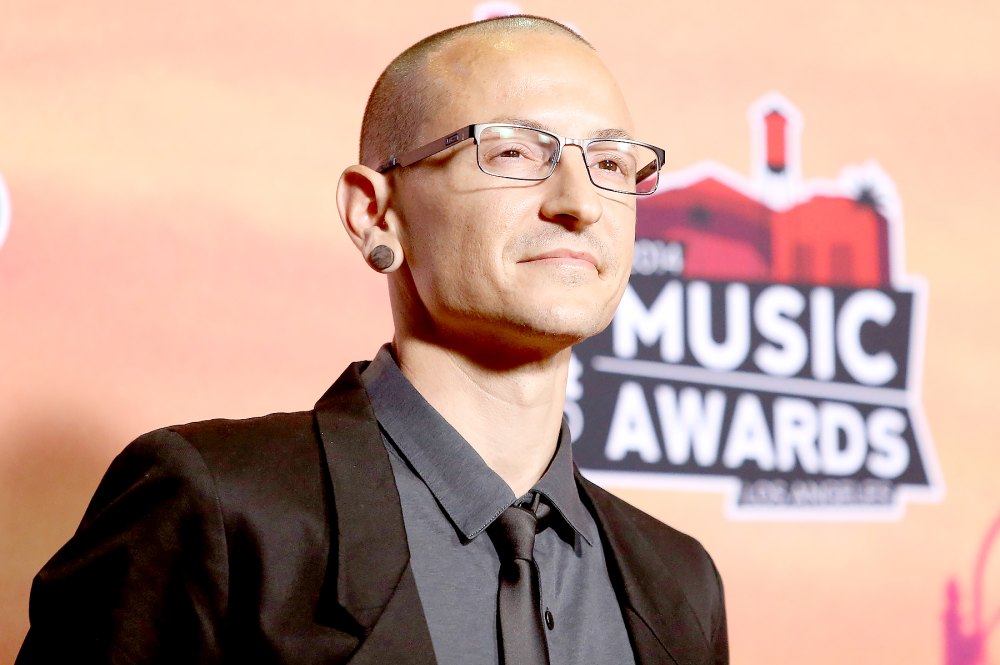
x=470, y=493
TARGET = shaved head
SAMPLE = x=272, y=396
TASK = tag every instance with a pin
x=405, y=92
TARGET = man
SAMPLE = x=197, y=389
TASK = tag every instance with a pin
x=428, y=509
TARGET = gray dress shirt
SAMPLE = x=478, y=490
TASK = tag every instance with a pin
x=449, y=497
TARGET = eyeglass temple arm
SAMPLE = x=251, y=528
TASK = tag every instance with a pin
x=652, y=167
x=425, y=151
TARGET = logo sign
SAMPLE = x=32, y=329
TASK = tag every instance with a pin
x=767, y=345
x=4, y=211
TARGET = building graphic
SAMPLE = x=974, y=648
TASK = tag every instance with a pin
x=768, y=344
x=774, y=228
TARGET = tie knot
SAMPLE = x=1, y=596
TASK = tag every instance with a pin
x=513, y=533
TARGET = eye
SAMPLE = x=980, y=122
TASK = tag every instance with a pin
x=516, y=152
x=512, y=151
x=610, y=164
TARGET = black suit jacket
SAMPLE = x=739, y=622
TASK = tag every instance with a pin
x=280, y=540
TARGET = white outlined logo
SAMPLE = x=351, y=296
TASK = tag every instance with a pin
x=768, y=345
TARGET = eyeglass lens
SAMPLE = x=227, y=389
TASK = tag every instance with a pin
x=528, y=154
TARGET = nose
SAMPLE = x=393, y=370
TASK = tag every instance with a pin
x=571, y=198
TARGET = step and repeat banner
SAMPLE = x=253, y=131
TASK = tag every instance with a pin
x=802, y=372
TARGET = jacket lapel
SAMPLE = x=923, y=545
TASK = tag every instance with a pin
x=370, y=590
x=663, y=626
x=375, y=595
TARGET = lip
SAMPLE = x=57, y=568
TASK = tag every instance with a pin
x=566, y=257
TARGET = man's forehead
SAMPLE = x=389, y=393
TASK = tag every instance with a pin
x=463, y=56
x=543, y=80
x=595, y=133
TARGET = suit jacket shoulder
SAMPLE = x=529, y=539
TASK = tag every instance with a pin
x=668, y=582
x=204, y=543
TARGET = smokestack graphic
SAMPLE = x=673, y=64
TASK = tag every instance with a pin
x=775, y=127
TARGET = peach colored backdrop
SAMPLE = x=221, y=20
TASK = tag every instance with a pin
x=174, y=253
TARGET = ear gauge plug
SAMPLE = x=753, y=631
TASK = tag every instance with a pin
x=381, y=258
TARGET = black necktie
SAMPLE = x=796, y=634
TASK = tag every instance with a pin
x=520, y=632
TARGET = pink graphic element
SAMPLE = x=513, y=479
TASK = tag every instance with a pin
x=773, y=227
x=499, y=9
x=488, y=10
x=961, y=648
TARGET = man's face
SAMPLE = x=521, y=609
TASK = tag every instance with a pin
x=524, y=264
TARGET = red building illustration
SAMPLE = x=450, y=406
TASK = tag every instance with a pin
x=726, y=234
x=773, y=227
x=831, y=240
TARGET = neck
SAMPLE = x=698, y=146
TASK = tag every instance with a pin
x=510, y=413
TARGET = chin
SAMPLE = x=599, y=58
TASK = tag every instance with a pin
x=570, y=325
x=534, y=325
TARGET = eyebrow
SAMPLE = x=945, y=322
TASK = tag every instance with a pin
x=613, y=133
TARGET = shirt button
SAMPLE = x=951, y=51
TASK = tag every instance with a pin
x=549, y=621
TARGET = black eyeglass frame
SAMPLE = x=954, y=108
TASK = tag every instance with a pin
x=475, y=131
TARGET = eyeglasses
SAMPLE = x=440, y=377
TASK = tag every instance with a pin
x=525, y=153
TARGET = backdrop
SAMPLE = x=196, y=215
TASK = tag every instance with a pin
x=824, y=420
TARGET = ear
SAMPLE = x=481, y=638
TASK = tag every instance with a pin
x=363, y=203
